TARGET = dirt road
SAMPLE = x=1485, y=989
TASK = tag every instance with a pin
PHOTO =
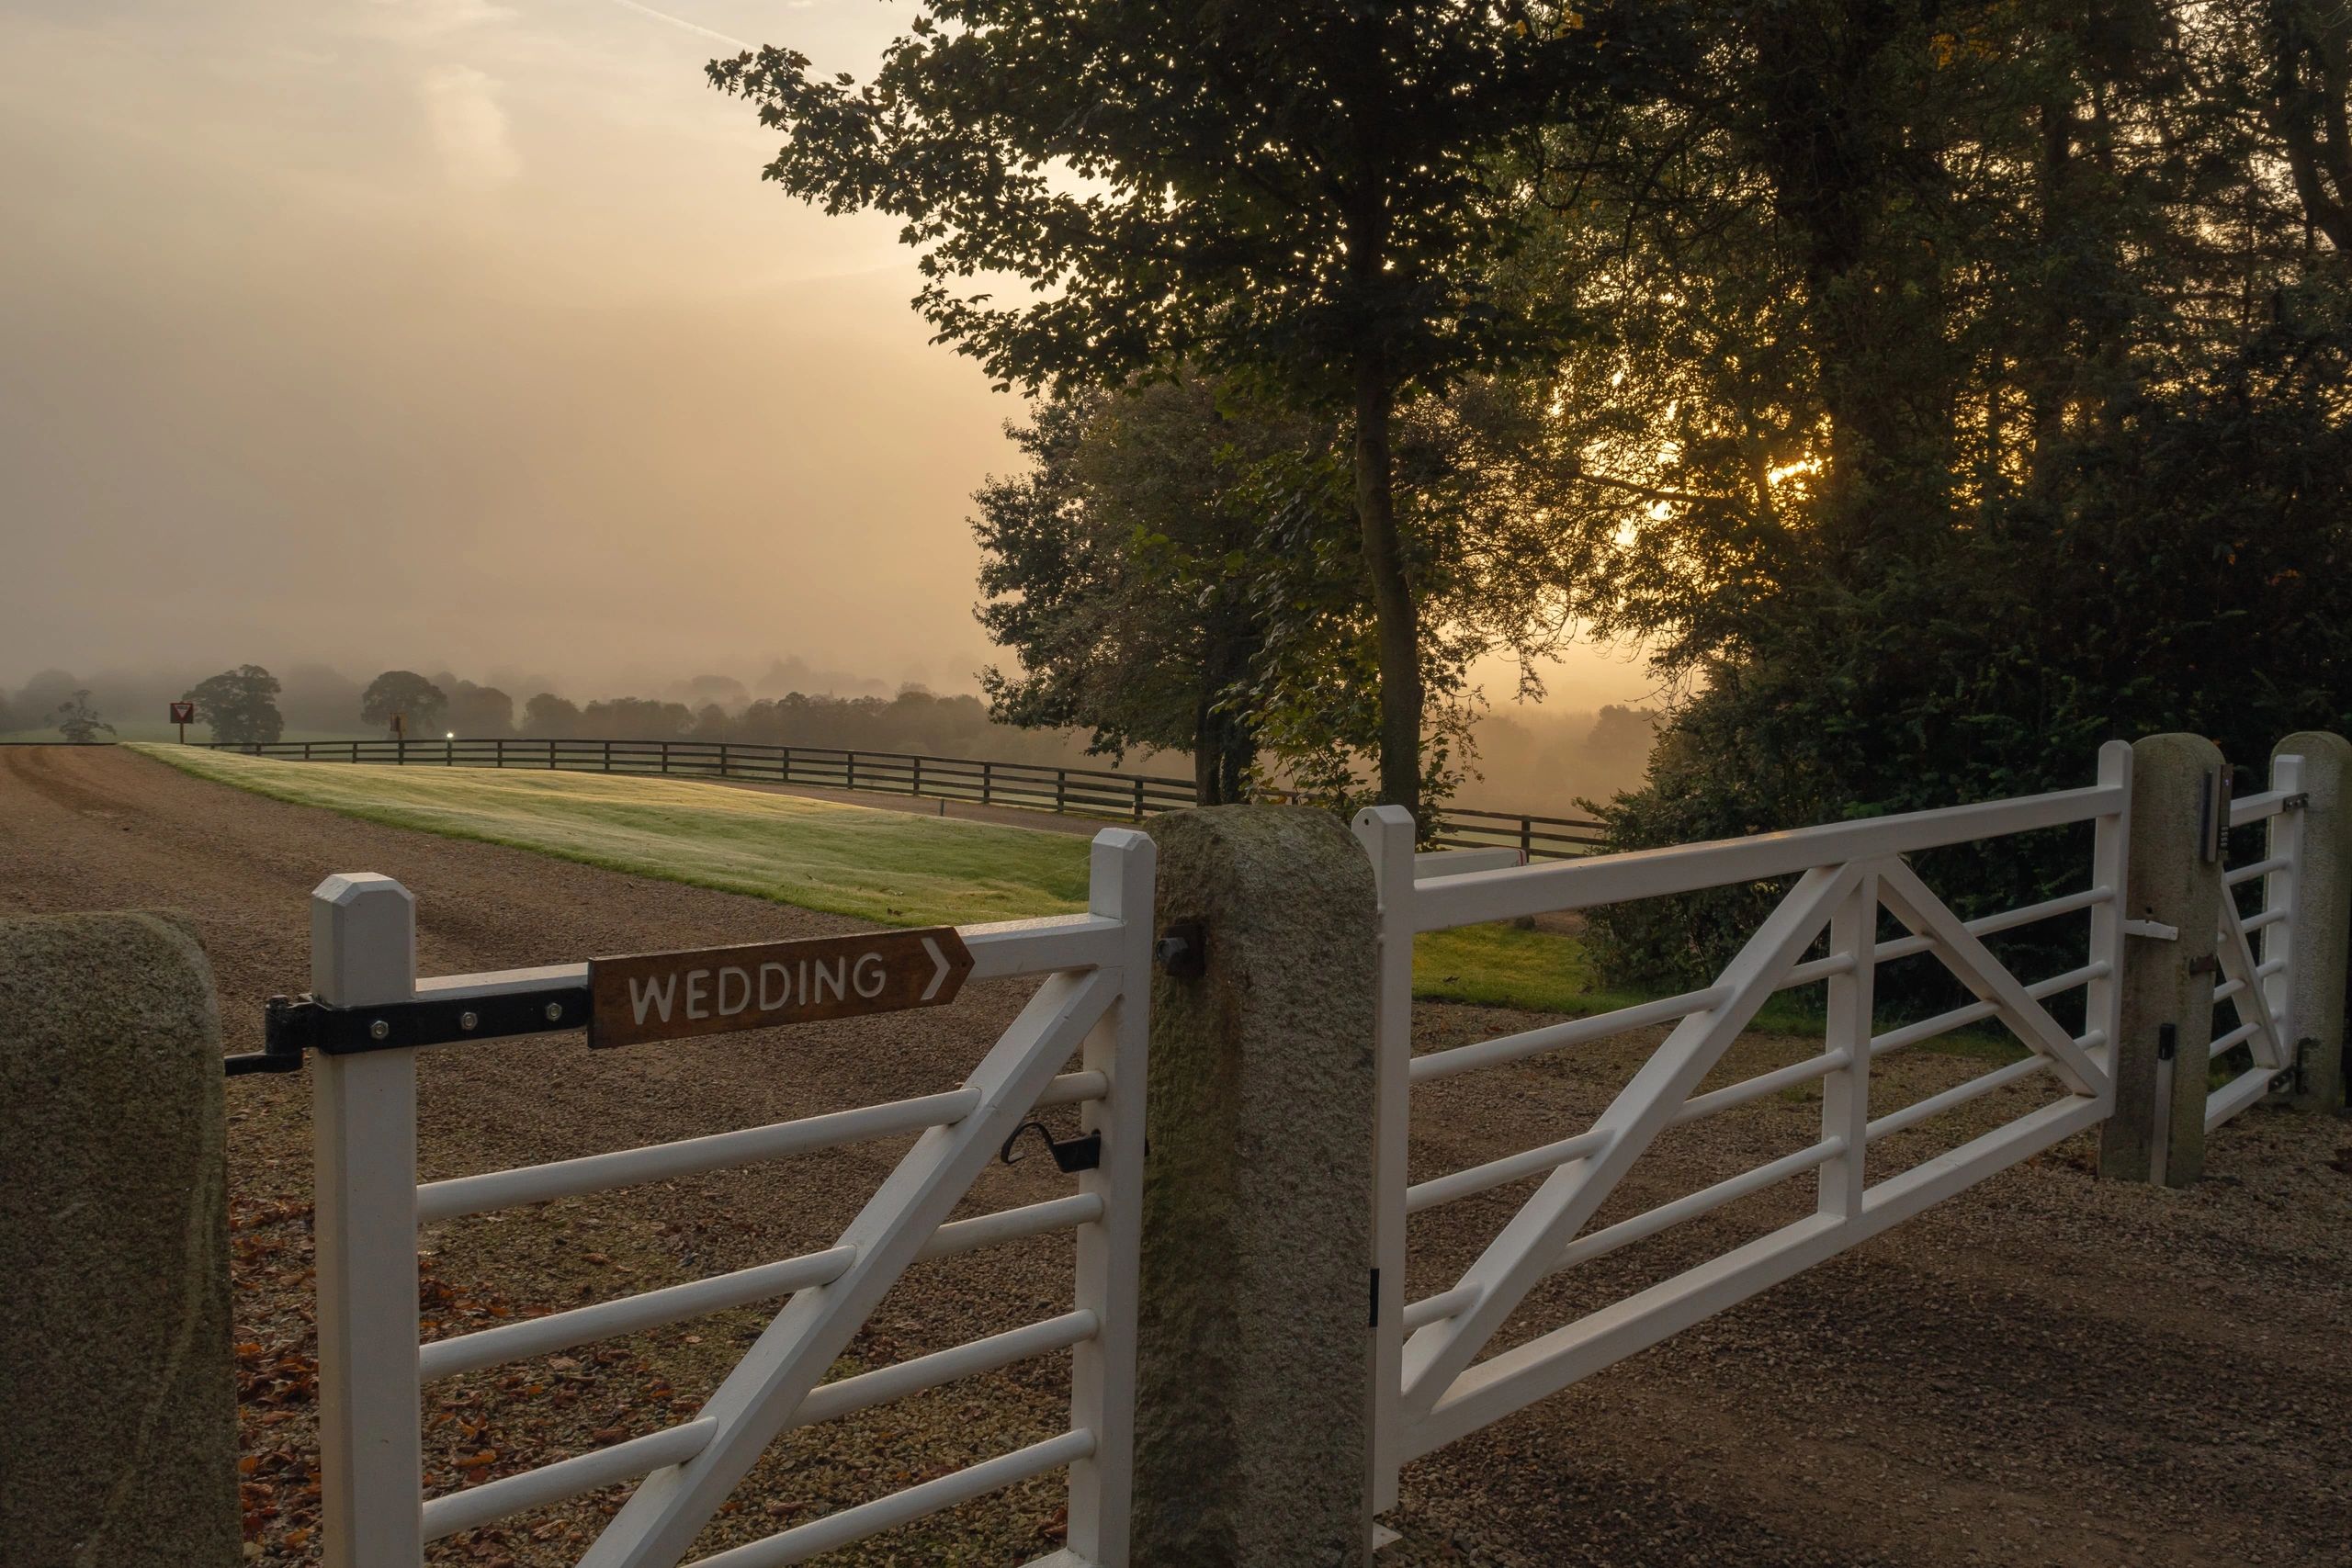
x=2046, y=1371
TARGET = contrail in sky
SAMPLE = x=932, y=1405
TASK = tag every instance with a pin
x=680, y=22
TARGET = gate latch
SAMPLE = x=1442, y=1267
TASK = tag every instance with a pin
x=1071, y=1155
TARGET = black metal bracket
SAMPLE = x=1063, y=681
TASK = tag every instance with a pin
x=2167, y=1042
x=293, y=1026
x=1071, y=1155
x=1183, y=950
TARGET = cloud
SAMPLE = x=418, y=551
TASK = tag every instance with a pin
x=462, y=111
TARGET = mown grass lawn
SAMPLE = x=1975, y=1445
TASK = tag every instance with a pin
x=1503, y=965
x=891, y=867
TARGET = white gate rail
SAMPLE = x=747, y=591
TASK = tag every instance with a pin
x=2257, y=989
x=371, y=1368
x=1430, y=1388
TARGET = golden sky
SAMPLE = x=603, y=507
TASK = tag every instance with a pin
x=447, y=332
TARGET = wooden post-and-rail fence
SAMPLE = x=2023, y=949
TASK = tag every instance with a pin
x=1036, y=786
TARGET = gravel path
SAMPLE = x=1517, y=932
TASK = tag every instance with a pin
x=2046, y=1371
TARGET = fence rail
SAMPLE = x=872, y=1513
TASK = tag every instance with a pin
x=1036, y=787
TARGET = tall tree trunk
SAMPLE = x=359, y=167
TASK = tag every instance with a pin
x=2310, y=49
x=1396, y=617
x=1206, y=773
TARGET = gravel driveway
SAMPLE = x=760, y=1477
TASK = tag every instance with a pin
x=2047, y=1369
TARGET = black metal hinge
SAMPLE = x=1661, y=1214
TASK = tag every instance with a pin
x=1375, y=1298
x=293, y=1026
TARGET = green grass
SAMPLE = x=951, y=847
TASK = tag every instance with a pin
x=1501, y=965
x=891, y=867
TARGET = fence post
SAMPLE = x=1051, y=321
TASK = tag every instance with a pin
x=2172, y=881
x=121, y=1442
x=363, y=950
x=988, y=778
x=849, y=770
x=1061, y=789
x=2317, y=958
x=1103, y=1368
x=1255, y=1364
x=1387, y=834
x=1138, y=800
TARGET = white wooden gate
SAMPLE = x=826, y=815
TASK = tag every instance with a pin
x=1092, y=1004
x=1431, y=1386
x=2254, y=984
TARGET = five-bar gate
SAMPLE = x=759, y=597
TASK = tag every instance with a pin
x=1431, y=1386
x=372, y=1371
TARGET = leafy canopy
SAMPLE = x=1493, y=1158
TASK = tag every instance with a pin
x=239, y=705
x=406, y=693
x=1279, y=190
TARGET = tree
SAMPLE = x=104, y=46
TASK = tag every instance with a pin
x=77, y=720
x=1114, y=573
x=550, y=718
x=1975, y=397
x=1316, y=198
x=480, y=711
x=2309, y=45
x=240, y=706
x=405, y=693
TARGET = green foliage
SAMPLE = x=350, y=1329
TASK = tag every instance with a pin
x=2015, y=426
x=77, y=720
x=1119, y=570
x=239, y=705
x=1318, y=200
x=418, y=702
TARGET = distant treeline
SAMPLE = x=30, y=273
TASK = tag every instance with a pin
x=914, y=720
x=1529, y=759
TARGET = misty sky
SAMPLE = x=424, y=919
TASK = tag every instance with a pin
x=447, y=332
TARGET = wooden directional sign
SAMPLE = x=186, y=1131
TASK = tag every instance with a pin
x=711, y=990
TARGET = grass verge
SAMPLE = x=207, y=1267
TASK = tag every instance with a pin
x=890, y=867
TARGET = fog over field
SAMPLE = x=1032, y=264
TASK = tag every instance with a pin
x=375, y=327
x=1536, y=758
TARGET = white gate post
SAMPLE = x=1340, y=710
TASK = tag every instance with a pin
x=363, y=950
x=1386, y=834
x=2316, y=959
x=1102, y=1369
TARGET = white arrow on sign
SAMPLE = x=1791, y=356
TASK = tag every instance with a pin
x=940, y=968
